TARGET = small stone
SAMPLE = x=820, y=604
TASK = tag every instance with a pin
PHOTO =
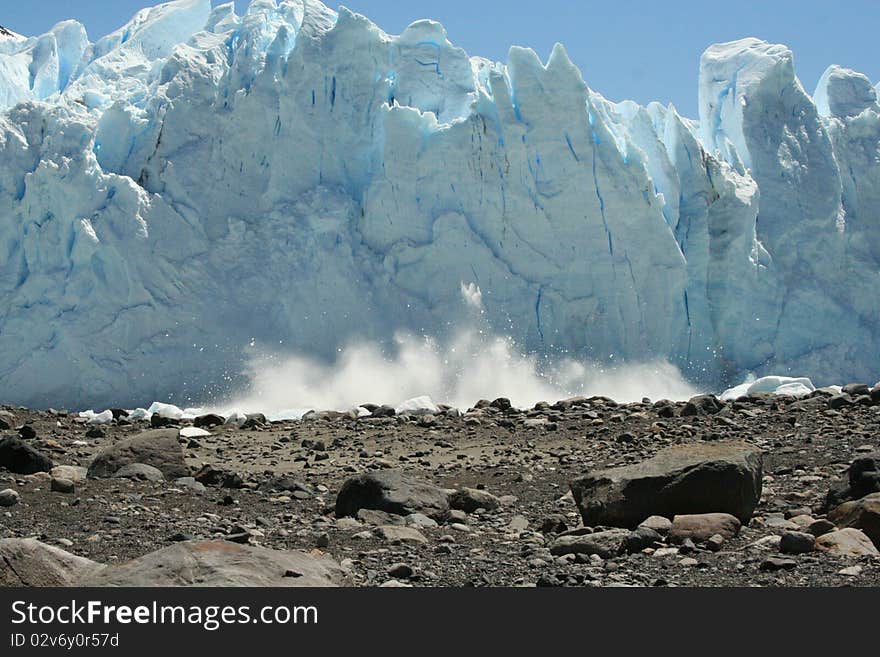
x=640, y=539
x=471, y=499
x=8, y=497
x=190, y=484
x=606, y=544
x=397, y=534
x=378, y=518
x=400, y=571
x=701, y=527
x=852, y=571
x=688, y=562
x=821, y=527
x=208, y=475
x=73, y=473
x=659, y=524
x=840, y=401
x=715, y=543
x=139, y=471
x=240, y=537
x=323, y=540
x=347, y=524
x=702, y=405
x=59, y=485
x=665, y=552
x=774, y=564
x=797, y=543
x=554, y=524
x=518, y=524
x=209, y=420
x=457, y=516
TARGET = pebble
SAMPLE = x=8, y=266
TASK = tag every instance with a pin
x=852, y=571
x=774, y=563
x=715, y=543
x=8, y=497
x=797, y=543
x=400, y=571
x=60, y=485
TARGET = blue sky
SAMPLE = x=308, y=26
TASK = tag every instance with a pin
x=625, y=48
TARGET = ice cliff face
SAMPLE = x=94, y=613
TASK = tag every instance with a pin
x=199, y=181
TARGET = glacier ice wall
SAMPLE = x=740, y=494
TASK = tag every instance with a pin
x=198, y=182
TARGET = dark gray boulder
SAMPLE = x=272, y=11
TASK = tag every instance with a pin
x=861, y=514
x=393, y=492
x=159, y=448
x=862, y=479
x=722, y=477
x=20, y=458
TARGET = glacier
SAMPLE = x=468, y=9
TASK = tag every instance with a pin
x=200, y=184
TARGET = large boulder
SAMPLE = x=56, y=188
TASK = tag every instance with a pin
x=159, y=448
x=862, y=514
x=221, y=563
x=20, y=458
x=28, y=562
x=847, y=543
x=393, y=492
x=722, y=477
x=862, y=479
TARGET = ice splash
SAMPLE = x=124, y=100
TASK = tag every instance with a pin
x=474, y=364
x=470, y=367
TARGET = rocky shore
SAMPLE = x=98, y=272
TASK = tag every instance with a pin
x=762, y=491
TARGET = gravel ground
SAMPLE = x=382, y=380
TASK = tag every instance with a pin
x=526, y=458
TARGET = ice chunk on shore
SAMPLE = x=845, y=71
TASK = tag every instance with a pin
x=418, y=406
x=774, y=385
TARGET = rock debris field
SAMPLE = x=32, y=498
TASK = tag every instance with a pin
x=762, y=491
